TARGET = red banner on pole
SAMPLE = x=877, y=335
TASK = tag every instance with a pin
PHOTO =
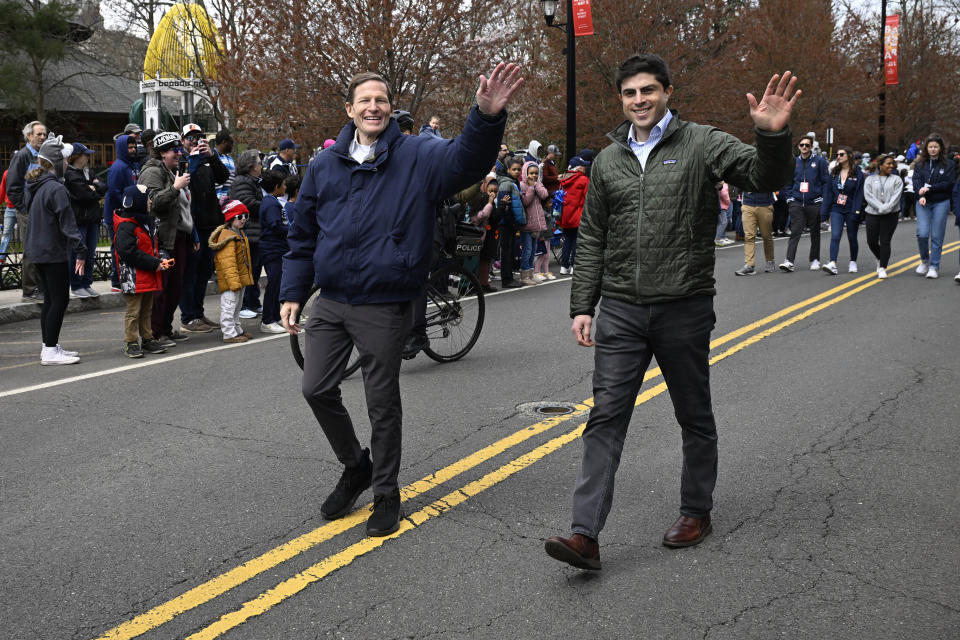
x=891, y=45
x=582, y=20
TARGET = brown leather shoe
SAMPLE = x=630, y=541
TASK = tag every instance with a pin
x=578, y=550
x=235, y=339
x=687, y=532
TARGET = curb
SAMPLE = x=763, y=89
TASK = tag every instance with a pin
x=20, y=311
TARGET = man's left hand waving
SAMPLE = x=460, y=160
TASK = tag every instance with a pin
x=494, y=92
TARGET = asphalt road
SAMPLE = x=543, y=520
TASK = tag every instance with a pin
x=178, y=496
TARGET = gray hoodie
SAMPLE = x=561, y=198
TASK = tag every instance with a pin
x=882, y=193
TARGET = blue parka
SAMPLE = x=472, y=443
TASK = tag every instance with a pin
x=122, y=174
x=852, y=188
x=815, y=170
x=938, y=175
x=364, y=232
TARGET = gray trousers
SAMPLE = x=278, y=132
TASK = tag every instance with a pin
x=378, y=331
x=627, y=336
x=29, y=277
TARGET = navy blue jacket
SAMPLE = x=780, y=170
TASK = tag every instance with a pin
x=273, y=229
x=852, y=188
x=938, y=176
x=758, y=198
x=364, y=232
x=52, y=228
x=816, y=171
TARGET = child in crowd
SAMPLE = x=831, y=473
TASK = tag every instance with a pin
x=233, y=265
x=292, y=184
x=531, y=194
x=273, y=244
x=139, y=267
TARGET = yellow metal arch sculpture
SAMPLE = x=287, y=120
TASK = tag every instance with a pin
x=185, y=43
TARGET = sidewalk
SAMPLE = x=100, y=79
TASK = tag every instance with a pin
x=13, y=310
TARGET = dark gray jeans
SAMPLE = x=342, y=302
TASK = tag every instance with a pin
x=378, y=331
x=627, y=336
x=802, y=216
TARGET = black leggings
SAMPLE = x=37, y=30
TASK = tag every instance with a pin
x=879, y=233
x=55, y=282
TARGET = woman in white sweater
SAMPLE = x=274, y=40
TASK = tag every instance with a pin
x=881, y=193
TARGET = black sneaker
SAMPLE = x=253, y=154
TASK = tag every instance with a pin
x=153, y=346
x=414, y=343
x=386, y=515
x=167, y=341
x=178, y=336
x=132, y=350
x=353, y=482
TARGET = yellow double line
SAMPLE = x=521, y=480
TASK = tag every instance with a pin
x=265, y=601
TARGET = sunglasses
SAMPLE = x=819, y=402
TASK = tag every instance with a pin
x=804, y=144
x=241, y=216
x=841, y=155
x=192, y=138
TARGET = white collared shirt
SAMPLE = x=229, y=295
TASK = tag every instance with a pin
x=642, y=149
x=361, y=152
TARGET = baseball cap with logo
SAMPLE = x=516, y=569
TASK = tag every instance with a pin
x=287, y=143
x=166, y=140
x=192, y=128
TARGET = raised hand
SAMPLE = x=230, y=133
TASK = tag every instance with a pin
x=494, y=92
x=773, y=111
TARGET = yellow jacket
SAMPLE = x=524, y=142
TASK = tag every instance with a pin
x=231, y=258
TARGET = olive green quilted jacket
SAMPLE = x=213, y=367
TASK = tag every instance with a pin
x=647, y=236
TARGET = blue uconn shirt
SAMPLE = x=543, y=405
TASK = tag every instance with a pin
x=843, y=197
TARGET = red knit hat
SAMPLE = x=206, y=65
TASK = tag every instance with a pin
x=232, y=208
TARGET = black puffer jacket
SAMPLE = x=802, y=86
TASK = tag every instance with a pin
x=246, y=189
x=646, y=236
x=205, y=174
x=85, y=196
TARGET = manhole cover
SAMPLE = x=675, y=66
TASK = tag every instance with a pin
x=547, y=408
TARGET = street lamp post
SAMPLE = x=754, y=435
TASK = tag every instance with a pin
x=549, y=12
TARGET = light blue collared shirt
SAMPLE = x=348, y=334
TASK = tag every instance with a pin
x=643, y=149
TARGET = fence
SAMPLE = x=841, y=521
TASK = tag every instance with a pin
x=10, y=277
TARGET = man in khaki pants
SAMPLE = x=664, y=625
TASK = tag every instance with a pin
x=757, y=212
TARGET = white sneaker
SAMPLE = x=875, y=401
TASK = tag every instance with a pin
x=922, y=268
x=72, y=354
x=248, y=313
x=53, y=356
x=852, y=268
x=770, y=268
x=564, y=271
x=932, y=273
x=786, y=266
x=830, y=267
x=956, y=278
x=815, y=265
x=539, y=277
x=273, y=327
x=549, y=276
x=881, y=273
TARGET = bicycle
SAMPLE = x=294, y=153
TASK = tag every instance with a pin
x=455, y=312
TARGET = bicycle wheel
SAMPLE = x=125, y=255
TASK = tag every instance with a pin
x=455, y=309
x=297, y=341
